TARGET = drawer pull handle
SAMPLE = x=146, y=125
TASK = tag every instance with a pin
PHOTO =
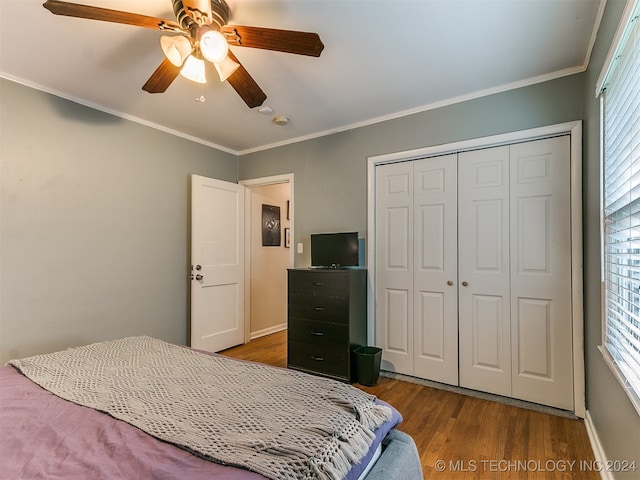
x=319, y=309
x=317, y=334
x=317, y=359
x=318, y=284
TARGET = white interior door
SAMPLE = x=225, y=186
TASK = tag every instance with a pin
x=217, y=254
x=394, y=266
x=435, y=272
x=483, y=262
x=541, y=322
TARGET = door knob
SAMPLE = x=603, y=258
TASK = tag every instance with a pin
x=464, y=284
x=449, y=283
x=199, y=277
x=198, y=267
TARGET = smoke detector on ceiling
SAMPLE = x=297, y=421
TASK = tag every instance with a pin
x=280, y=120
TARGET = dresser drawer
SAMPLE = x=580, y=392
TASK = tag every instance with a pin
x=334, y=363
x=324, y=334
x=318, y=283
x=322, y=309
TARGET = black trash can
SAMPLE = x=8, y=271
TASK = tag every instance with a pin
x=368, y=364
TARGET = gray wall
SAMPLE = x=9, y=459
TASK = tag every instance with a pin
x=94, y=224
x=615, y=419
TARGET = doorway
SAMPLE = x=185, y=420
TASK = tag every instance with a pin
x=266, y=265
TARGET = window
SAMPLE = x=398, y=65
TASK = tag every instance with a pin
x=619, y=90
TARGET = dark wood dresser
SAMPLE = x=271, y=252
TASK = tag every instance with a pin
x=327, y=312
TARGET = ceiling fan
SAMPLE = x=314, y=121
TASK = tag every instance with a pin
x=202, y=33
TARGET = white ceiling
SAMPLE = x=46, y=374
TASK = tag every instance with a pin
x=382, y=59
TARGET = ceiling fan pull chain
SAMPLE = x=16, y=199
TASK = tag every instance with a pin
x=201, y=98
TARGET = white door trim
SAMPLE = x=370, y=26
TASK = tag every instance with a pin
x=259, y=182
x=572, y=128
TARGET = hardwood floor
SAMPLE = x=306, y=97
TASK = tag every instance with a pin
x=467, y=438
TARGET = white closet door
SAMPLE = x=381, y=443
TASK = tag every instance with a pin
x=483, y=253
x=394, y=266
x=479, y=250
x=435, y=269
x=541, y=324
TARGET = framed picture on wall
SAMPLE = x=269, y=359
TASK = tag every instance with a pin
x=287, y=237
x=270, y=226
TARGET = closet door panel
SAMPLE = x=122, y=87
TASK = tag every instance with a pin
x=394, y=266
x=534, y=346
x=483, y=269
x=488, y=242
x=435, y=269
x=430, y=315
x=541, y=272
x=399, y=329
x=487, y=332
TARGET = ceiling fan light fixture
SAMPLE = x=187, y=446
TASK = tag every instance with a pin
x=225, y=68
x=176, y=49
x=214, y=46
x=194, y=69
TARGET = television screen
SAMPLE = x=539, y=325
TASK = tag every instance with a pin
x=334, y=250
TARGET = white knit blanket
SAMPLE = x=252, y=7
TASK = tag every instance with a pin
x=279, y=423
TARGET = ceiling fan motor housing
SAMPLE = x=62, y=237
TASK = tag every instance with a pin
x=219, y=9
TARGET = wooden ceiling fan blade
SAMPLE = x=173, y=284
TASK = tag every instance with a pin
x=289, y=41
x=164, y=76
x=77, y=10
x=246, y=86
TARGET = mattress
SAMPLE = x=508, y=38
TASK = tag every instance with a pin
x=44, y=436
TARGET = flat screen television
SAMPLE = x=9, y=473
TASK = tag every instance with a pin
x=334, y=250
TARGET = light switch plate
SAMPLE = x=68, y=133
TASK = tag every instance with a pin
x=300, y=248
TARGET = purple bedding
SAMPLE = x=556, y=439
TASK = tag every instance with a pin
x=44, y=436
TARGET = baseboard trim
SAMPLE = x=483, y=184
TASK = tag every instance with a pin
x=268, y=331
x=596, y=446
x=484, y=395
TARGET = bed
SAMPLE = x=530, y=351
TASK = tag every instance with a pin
x=142, y=408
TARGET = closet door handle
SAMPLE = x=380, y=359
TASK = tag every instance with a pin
x=464, y=284
x=449, y=283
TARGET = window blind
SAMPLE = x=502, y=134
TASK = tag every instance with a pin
x=621, y=203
